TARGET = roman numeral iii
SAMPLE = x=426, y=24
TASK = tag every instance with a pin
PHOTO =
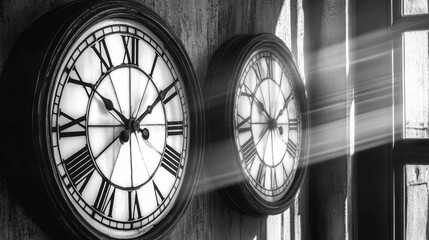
x=174, y=128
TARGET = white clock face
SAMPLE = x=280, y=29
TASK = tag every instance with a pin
x=267, y=125
x=119, y=120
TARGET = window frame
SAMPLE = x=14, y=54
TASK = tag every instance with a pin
x=405, y=151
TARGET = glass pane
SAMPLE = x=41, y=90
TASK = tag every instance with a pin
x=416, y=84
x=416, y=199
x=412, y=7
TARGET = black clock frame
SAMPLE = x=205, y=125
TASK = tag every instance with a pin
x=30, y=71
x=222, y=153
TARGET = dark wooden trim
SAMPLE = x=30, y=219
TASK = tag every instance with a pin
x=373, y=89
x=292, y=220
x=412, y=23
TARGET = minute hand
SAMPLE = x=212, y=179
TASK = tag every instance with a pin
x=287, y=100
x=160, y=97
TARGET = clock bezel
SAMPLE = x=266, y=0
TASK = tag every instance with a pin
x=59, y=29
x=222, y=81
x=257, y=55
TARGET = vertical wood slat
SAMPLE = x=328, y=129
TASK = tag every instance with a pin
x=298, y=214
x=300, y=38
x=294, y=28
x=325, y=36
x=283, y=232
x=292, y=221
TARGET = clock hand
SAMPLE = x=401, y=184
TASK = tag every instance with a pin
x=141, y=154
x=145, y=135
x=124, y=136
x=261, y=136
x=249, y=93
x=151, y=146
x=261, y=107
x=160, y=97
x=287, y=100
x=133, y=126
x=108, y=104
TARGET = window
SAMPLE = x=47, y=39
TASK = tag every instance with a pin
x=413, y=7
x=410, y=158
x=290, y=29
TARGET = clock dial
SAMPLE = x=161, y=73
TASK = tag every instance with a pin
x=256, y=110
x=267, y=125
x=120, y=128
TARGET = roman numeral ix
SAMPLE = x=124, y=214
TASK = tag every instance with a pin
x=73, y=122
x=240, y=124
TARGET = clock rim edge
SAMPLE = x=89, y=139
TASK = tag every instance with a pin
x=242, y=47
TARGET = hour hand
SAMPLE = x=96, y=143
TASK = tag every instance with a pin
x=108, y=104
x=262, y=107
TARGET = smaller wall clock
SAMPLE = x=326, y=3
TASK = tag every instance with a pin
x=106, y=124
x=257, y=123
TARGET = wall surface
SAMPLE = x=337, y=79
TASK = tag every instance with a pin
x=330, y=93
x=202, y=26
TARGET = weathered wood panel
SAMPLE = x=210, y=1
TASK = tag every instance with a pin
x=328, y=89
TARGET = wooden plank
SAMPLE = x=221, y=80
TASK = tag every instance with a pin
x=327, y=88
x=294, y=27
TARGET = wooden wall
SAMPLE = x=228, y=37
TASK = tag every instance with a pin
x=330, y=93
x=202, y=26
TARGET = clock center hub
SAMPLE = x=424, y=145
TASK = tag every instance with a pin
x=133, y=125
x=272, y=124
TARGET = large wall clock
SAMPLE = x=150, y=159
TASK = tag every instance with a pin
x=106, y=123
x=256, y=111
